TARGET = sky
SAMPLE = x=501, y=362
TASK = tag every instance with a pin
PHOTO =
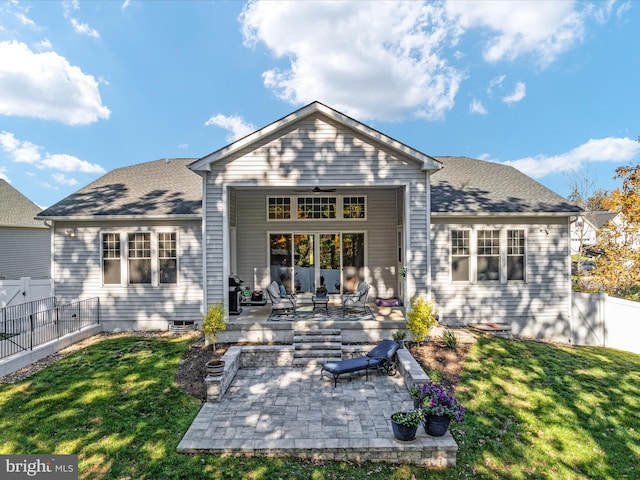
x=549, y=87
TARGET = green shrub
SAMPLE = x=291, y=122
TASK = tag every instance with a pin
x=421, y=318
x=450, y=339
x=214, y=322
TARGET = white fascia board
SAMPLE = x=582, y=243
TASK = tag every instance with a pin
x=501, y=215
x=121, y=217
x=428, y=163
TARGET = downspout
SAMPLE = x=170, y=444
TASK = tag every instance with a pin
x=204, y=243
x=570, y=220
x=428, y=253
x=52, y=243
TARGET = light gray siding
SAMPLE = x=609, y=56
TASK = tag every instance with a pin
x=78, y=275
x=25, y=252
x=315, y=151
x=537, y=307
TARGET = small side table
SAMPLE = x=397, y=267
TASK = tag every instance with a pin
x=319, y=302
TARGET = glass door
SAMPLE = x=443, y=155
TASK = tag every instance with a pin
x=329, y=255
x=304, y=267
x=352, y=260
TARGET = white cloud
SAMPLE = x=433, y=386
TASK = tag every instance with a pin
x=380, y=60
x=27, y=152
x=78, y=27
x=477, y=107
x=519, y=92
x=46, y=86
x=3, y=174
x=83, y=28
x=494, y=83
x=543, y=30
x=236, y=126
x=64, y=180
x=617, y=150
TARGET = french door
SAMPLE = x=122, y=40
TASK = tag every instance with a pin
x=304, y=261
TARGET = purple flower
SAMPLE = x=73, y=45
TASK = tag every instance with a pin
x=436, y=400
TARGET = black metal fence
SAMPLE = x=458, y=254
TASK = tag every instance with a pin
x=25, y=326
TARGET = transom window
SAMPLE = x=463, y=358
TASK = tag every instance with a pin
x=353, y=207
x=279, y=208
x=329, y=207
x=316, y=207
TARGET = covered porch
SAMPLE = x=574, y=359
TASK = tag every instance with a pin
x=255, y=324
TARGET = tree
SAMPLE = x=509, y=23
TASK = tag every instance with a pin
x=618, y=268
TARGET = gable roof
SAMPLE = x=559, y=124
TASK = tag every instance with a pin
x=158, y=189
x=599, y=218
x=428, y=162
x=17, y=210
x=466, y=186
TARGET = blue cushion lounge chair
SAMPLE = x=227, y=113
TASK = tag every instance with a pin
x=381, y=357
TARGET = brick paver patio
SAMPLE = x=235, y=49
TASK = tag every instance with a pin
x=292, y=412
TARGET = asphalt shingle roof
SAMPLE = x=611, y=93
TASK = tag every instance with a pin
x=158, y=188
x=469, y=186
x=16, y=210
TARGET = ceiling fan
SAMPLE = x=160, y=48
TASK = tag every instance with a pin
x=317, y=189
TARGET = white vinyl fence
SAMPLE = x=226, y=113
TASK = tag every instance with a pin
x=601, y=320
x=25, y=290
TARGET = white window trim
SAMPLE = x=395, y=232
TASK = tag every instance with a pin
x=293, y=199
x=473, y=255
x=124, y=259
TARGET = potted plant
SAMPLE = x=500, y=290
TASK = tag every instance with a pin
x=440, y=408
x=405, y=424
x=399, y=337
x=321, y=291
x=212, y=324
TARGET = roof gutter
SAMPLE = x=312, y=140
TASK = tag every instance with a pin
x=120, y=217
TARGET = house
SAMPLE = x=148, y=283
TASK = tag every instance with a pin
x=318, y=198
x=25, y=248
x=584, y=231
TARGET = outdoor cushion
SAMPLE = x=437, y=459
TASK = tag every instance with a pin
x=380, y=357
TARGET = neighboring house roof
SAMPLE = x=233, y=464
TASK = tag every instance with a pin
x=465, y=186
x=428, y=162
x=162, y=188
x=599, y=218
x=17, y=210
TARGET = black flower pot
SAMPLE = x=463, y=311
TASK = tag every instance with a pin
x=436, y=425
x=403, y=433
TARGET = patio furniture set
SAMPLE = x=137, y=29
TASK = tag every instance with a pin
x=285, y=304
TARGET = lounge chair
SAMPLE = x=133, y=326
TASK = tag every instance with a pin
x=381, y=357
x=281, y=305
x=356, y=301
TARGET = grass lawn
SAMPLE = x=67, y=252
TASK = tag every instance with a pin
x=534, y=411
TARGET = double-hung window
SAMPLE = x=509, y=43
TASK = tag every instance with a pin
x=488, y=255
x=460, y=255
x=139, y=258
x=111, y=258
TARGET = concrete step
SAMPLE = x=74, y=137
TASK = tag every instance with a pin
x=317, y=353
x=320, y=331
x=317, y=339
x=318, y=345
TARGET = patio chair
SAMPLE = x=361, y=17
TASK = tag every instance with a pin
x=280, y=304
x=381, y=357
x=356, y=301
